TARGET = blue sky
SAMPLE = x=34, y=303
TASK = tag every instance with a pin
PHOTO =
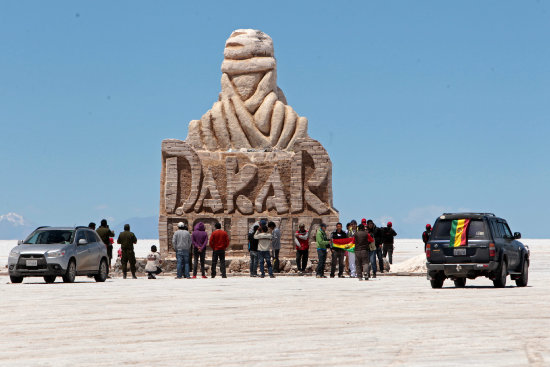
x=423, y=106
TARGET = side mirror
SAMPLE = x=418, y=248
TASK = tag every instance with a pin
x=517, y=235
x=20, y=242
x=82, y=241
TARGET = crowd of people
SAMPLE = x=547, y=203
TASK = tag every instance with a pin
x=362, y=260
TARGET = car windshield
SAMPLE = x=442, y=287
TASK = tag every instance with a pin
x=476, y=230
x=50, y=236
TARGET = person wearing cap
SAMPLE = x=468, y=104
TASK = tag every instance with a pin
x=181, y=241
x=352, y=229
x=301, y=242
x=376, y=233
x=322, y=242
x=127, y=240
x=264, y=236
x=388, y=233
x=426, y=235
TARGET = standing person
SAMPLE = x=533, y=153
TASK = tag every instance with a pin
x=388, y=234
x=322, y=242
x=301, y=241
x=181, y=241
x=374, y=232
x=253, y=250
x=352, y=229
x=275, y=245
x=153, y=263
x=426, y=235
x=105, y=234
x=338, y=253
x=264, y=245
x=199, y=240
x=91, y=226
x=219, y=242
x=362, y=242
x=377, y=234
x=127, y=240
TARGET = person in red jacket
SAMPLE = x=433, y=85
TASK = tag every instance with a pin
x=301, y=242
x=219, y=242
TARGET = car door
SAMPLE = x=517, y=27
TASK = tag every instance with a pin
x=82, y=252
x=514, y=246
x=506, y=240
x=94, y=243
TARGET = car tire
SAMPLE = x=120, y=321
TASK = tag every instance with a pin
x=524, y=278
x=460, y=282
x=500, y=280
x=49, y=278
x=437, y=281
x=70, y=275
x=103, y=271
x=15, y=279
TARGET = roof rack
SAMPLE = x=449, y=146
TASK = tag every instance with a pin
x=41, y=227
x=470, y=213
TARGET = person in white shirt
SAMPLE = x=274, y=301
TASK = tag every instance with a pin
x=153, y=263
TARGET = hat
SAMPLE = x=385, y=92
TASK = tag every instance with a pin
x=428, y=226
x=389, y=224
x=180, y=225
x=363, y=221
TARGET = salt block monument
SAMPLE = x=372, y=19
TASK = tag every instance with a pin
x=249, y=157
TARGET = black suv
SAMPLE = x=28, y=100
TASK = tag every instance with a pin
x=468, y=245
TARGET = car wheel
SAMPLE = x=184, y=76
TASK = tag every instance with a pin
x=49, y=278
x=460, y=282
x=437, y=281
x=500, y=280
x=71, y=272
x=524, y=278
x=102, y=273
x=15, y=279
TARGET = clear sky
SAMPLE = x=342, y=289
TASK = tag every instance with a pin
x=424, y=106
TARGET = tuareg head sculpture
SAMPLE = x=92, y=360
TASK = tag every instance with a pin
x=252, y=112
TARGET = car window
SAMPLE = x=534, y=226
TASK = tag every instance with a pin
x=505, y=230
x=496, y=229
x=477, y=230
x=91, y=236
x=81, y=235
x=50, y=236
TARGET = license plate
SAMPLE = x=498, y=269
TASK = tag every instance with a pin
x=32, y=262
x=459, y=252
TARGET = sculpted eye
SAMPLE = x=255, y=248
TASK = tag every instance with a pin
x=233, y=45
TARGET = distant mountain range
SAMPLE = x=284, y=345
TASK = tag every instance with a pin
x=14, y=226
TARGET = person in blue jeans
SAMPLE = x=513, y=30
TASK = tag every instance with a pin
x=263, y=235
x=322, y=243
x=181, y=241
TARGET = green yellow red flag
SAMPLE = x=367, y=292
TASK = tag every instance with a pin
x=459, y=232
x=347, y=244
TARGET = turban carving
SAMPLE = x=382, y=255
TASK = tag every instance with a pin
x=251, y=112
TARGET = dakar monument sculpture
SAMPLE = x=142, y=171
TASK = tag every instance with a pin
x=249, y=157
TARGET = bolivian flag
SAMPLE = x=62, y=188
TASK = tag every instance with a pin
x=459, y=232
x=347, y=244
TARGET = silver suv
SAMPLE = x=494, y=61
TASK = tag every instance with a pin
x=59, y=251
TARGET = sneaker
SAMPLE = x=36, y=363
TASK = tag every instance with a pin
x=317, y=276
x=374, y=275
x=177, y=278
x=272, y=276
x=262, y=276
x=341, y=276
x=332, y=275
x=134, y=277
x=149, y=276
x=187, y=277
x=194, y=277
x=124, y=276
x=153, y=276
x=224, y=276
x=204, y=277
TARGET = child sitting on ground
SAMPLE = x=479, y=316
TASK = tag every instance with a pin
x=153, y=263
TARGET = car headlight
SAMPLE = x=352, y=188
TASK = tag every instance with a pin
x=55, y=253
x=14, y=254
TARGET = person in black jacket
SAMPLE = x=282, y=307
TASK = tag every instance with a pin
x=376, y=233
x=388, y=234
x=337, y=253
x=426, y=235
x=253, y=250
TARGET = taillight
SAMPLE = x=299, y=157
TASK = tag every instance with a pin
x=492, y=251
x=428, y=251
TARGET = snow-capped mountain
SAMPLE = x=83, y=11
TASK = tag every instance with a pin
x=14, y=226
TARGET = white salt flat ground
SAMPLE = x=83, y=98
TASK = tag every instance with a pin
x=287, y=321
